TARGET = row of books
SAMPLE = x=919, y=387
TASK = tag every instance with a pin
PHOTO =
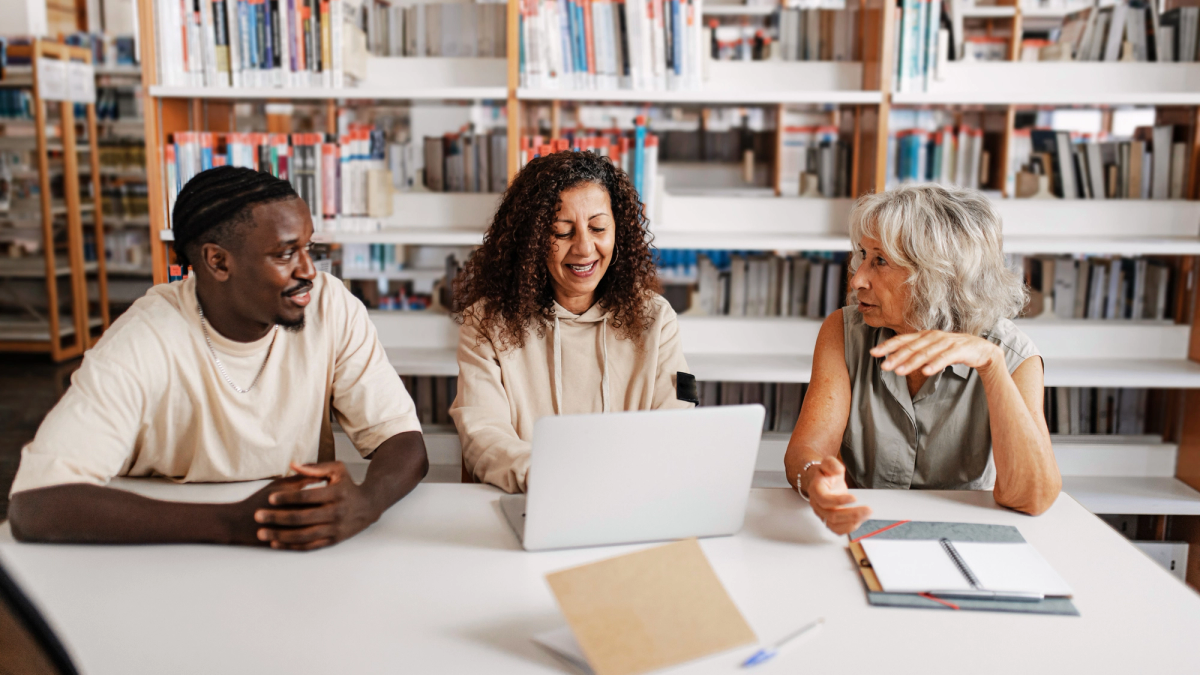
x=636, y=152
x=781, y=399
x=436, y=29
x=128, y=248
x=122, y=154
x=766, y=284
x=125, y=200
x=815, y=162
x=1152, y=165
x=16, y=104
x=1091, y=410
x=916, y=43
x=112, y=103
x=431, y=396
x=466, y=162
x=794, y=34
x=259, y=43
x=601, y=44
x=343, y=176
x=947, y=156
x=107, y=50
x=1122, y=31
x=1099, y=287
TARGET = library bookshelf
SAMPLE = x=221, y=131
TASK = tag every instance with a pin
x=1157, y=475
x=60, y=320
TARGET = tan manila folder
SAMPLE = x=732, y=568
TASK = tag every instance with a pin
x=648, y=610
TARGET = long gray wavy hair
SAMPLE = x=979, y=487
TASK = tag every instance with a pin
x=950, y=241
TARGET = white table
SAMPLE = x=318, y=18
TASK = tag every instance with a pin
x=440, y=585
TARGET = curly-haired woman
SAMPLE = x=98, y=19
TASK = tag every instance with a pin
x=925, y=382
x=559, y=314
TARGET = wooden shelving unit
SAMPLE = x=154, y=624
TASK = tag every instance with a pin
x=60, y=333
x=1159, y=476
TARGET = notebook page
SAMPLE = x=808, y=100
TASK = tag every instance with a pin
x=1012, y=567
x=561, y=643
x=913, y=566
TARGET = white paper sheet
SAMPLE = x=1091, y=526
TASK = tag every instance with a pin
x=1012, y=567
x=561, y=643
x=913, y=566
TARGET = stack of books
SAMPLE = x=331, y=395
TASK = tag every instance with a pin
x=1109, y=411
x=341, y=177
x=1101, y=287
x=437, y=29
x=766, y=284
x=602, y=44
x=1151, y=165
x=1121, y=31
x=794, y=34
x=468, y=161
x=781, y=399
x=259, y=43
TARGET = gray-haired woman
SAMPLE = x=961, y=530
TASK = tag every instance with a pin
x=923, y=381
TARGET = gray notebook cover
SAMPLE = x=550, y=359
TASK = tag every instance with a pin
x=957, y=532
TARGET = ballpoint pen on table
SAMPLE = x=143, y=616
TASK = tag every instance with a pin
x=767, y=653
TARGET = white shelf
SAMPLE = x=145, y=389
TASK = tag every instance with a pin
x=986, y=12
x=19, y=329
x=763, y=82
x=779, y=349
x=388, y=78
x=1061, y=83
x=412, y=236
x=740, y=10
x=119, y=71
x=393, y=275
x=438, y=362
x=1133, y=495
x=797, y=224
x=34, y=267
x=129, y=270
x=322, y=94
x=1101, y=455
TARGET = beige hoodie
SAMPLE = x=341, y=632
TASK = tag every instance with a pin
x=580, y=366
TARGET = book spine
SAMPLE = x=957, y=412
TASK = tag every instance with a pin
x=326, y=45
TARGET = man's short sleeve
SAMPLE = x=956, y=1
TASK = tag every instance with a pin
x=369, y=399
x=90, y=435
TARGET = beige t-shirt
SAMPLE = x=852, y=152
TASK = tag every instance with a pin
x=502, y=393
x=150, y=401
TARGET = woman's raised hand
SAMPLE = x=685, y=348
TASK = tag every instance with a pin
x=930, y=351
x=825, y=485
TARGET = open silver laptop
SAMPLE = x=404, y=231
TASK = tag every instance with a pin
x=621, y=478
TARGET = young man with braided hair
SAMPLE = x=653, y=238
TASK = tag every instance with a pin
x=229, y=375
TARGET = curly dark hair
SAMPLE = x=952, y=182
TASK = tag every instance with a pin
x=509, y=273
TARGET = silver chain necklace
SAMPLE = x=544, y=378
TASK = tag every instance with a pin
x=221, y=366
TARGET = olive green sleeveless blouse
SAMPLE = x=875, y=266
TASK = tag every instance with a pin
x=939, y=439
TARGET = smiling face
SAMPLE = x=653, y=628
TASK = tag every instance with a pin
x=270, y=271
x=584, y=234
x=883, y=295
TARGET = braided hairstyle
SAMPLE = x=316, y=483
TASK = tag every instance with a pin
x=509, y=274
x=216, y=203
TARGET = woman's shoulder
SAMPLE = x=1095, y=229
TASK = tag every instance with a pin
x=1016, y=344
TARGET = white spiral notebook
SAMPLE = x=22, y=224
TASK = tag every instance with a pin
x=963, y=569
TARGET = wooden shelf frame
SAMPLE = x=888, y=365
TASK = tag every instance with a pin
x=173, y=110
x=81, y=324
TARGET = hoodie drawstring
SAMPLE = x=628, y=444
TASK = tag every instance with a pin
x=604, y=391
x=557, y=368
x=604, y=375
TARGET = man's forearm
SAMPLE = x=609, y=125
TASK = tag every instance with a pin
x=397, y=465
x=90, y=514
